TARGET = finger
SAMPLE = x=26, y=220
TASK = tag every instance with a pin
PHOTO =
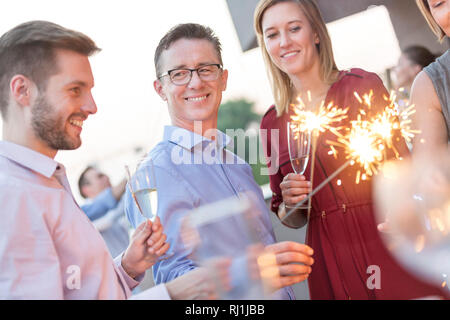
x=293, y=176
x=163, y=249
x=286, y=246
x=294, y=269
x=143, y=231
x=293, y=201
x=294, y=257
x=295, y=184
x=295, y=192
x=157, y=245
x=155, y=237
x=156, y=224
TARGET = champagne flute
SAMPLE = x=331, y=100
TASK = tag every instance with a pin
x=299, y=142
x=143, y=189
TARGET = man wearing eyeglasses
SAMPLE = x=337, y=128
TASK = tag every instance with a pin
x=191, y=164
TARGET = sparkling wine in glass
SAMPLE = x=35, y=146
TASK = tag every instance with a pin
x=143, y=188
x=299, y=142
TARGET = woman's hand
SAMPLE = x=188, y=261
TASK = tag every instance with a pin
x=294, y=188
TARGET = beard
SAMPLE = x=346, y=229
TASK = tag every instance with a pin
x=50, y=127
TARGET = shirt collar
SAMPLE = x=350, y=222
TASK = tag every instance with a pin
x=29, y=158
x=188, y=139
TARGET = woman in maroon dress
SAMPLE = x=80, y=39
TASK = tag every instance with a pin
x=350, y=259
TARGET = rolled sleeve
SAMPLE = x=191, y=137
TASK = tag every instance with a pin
x=131, y=283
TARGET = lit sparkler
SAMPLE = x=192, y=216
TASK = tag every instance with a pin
x=321, y=120
x=366, y=142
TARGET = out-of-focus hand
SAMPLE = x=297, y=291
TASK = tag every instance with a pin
x=204, y=283
x=285, y=263
x=146, y=246
x=294, y=189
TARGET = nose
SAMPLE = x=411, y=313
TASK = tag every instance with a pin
x=195, y=82
x=285, y=40
x=89, y=107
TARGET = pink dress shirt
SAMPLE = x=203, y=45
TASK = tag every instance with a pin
x=49, y=249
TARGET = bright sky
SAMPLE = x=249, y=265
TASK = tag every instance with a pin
x=130, y=113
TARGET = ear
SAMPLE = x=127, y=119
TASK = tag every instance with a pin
x=157, y=84
x=21, y=90
x=316, y=38
x=224, y=79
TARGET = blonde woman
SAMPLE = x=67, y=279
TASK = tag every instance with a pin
x=350, y=259
x=430, y=92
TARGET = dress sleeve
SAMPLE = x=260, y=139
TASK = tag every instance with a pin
x=29, y=263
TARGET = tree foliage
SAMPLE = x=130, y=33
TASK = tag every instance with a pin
x=239, y=114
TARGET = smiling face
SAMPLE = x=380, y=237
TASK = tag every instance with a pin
x=289, y=38
x=440, y=10
x=59, y=112
x=198, y=100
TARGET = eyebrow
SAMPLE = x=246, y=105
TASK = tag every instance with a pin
x=183, y=66
x=78, y=83
x=292, y=21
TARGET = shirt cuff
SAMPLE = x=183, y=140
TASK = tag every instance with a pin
x=158, y=292
x=131, y=283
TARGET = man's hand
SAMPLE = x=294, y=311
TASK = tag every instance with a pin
x=204, y=283
x=146, y=246
x=285, y=263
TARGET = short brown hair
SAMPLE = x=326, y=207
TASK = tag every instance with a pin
x=186, y=31
x=29, y=49
x=425, y=9
x=282, y=89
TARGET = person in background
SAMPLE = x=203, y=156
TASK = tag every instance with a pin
x=342, y=230
x=105, y=208
x=412, y=60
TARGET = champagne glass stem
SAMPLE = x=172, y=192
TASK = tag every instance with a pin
x=319, y=187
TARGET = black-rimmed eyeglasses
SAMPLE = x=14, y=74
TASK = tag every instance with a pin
x=179, y=77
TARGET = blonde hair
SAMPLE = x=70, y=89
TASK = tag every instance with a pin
x=282, y=87
x=425, y=9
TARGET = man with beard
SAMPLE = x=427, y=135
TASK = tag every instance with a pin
x=48, y=247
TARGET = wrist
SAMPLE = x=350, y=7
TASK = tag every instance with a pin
x=128, y=269
x=296, y=219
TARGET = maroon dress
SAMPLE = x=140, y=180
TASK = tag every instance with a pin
x=342, y=228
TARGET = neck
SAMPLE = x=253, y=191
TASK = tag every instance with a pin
x=25, y=137
x=206, y=128
x=309, y=81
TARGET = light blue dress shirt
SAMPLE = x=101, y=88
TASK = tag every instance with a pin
x=192, y=171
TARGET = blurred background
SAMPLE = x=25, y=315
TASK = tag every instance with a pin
x=369, y=34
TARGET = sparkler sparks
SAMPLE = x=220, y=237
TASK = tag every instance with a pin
x=367, y=141
x=323, y=119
